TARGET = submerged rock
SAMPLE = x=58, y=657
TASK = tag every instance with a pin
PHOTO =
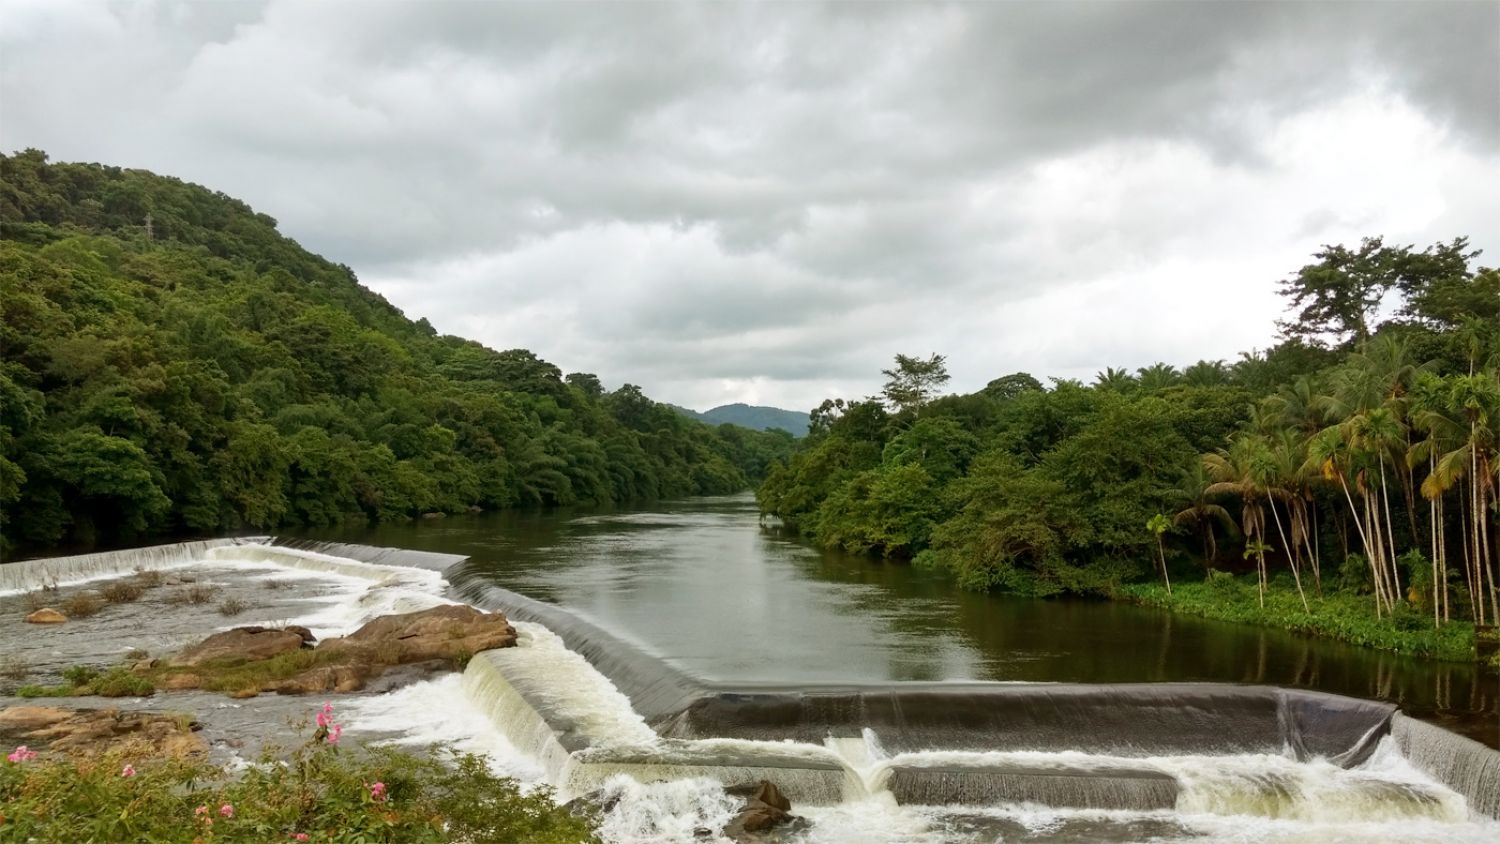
x=46, y=615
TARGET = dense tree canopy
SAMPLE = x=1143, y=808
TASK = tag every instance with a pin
x=201, y=372
x=1357, y=451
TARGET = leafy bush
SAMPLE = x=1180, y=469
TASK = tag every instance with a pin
x=317, y=793
x=232, y=606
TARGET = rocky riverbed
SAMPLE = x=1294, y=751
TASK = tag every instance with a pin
x=271, y=644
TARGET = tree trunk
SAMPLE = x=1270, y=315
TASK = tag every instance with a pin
x=1279, y=532
x=1355, y=513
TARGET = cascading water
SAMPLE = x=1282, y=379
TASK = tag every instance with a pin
x=25, y=575
x=930, y=762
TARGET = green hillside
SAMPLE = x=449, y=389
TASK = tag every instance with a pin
x=202, y=373
x=752, y=416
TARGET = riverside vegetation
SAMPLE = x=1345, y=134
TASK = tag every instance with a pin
x=1342, y=482
x=172, y=365
x=318, y=792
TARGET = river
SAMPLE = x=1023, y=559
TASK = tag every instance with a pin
x=703, y=586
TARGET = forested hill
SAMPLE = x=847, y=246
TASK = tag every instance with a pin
x=752, y=416
x=171, y=364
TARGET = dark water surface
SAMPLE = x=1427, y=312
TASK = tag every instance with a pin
x=702, y=585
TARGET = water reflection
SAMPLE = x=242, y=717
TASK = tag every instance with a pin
x=699, y=584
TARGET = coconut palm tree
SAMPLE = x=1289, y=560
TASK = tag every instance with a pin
x=1236, y=471
x=1199, y=508
x=1476, y=400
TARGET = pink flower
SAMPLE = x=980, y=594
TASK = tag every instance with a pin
x=200, y=811
x=335, y=733
x=21, y=754
x=226, y=810
x=377, y=792
x=127, y=771
x=325, y=717
x=200, y=814
x=299, y=836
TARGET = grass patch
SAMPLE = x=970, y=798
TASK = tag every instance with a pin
x=276, y=585
x=1348, y=618
x=232, y=607
x=82, y=680
x=82, y=605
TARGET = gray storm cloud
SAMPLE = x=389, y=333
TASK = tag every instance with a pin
x=764, y=202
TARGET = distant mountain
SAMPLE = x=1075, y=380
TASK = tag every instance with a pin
x=759, y=418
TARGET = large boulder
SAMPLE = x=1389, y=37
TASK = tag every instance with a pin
x=46, y=615
x=95, y=731
x=243, y=644
x=450, y=631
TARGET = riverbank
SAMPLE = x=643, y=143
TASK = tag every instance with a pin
x=1339, y=616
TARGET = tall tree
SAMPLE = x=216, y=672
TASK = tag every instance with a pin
x=1336, y=296
x=913, y=382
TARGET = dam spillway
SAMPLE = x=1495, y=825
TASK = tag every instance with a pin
x=594, y=709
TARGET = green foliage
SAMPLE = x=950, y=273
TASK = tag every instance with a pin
x=327, y=795
x=1284, y=461
x=80, y=680
x=217, y=376
x=1339, y=616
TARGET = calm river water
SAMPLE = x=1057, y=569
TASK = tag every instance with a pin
x=703, y=585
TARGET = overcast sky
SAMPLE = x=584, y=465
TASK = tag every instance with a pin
x=766, y=202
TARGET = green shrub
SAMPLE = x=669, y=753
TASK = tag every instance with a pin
x=79, y=675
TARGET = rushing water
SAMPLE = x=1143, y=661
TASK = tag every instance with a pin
x=702, y=585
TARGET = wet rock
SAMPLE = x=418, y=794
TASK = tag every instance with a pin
x=766, y=809
x=593, y=803
x=46, y=615
x=241, y=644
x=450, y=631
x=95, y=731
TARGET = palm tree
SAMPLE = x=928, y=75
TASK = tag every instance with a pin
x=1330, y=454
x=1116, y=380
x=1476, y=400
x=1158, y=525
x=1206, y=373
x=1444, y=432
x=1235, y=471
x=1199, y=508
x=1157, y=376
